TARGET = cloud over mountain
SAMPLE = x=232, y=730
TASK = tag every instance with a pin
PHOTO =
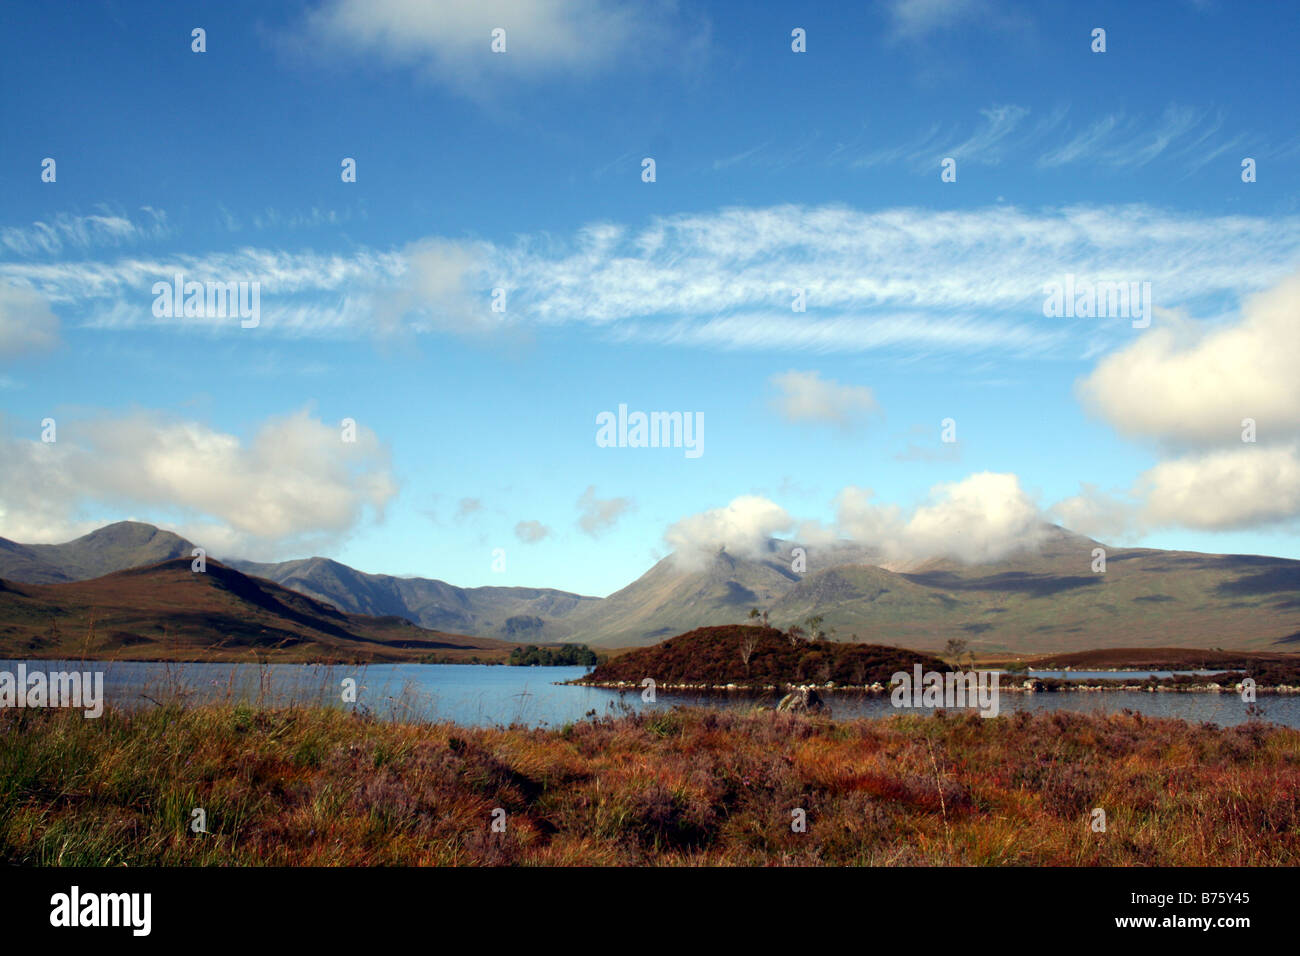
x=294, y=485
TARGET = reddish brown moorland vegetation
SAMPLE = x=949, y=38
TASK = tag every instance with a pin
x=758, y=656
x=325, y=787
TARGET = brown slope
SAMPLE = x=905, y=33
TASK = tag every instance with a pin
x=713, y=656
x=169, y=612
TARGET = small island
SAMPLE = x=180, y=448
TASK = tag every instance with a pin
x=749, y=657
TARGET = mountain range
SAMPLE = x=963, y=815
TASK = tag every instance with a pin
x=1044, y=600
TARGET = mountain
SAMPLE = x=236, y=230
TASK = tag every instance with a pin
x=528, y=615
x=115, y=547
x=517, y=614
x=167, y=611
x=1051, y=601
x=1040, y=601
x=673, y=597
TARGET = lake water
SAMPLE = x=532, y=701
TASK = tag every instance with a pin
x=481, y=695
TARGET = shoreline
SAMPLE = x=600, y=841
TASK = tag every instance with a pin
x=1033, y=686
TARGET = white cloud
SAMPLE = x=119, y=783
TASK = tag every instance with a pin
x=913, y=19
x=531, y=532
x=1245, y=487
x=980, y=519
x=26, y=322
x=443, y=287
x=1192, y=383
x=83, y=232
x=294, y=486
x=1093, y=512
x=598, y=515
x=742, y=527
x=806, y=397
x=451, y=39
x=956, y=281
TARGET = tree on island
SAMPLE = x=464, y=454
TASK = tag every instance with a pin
x=954, y=650
x=747, y=645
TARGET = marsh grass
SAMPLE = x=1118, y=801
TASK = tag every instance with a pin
x=310, y=785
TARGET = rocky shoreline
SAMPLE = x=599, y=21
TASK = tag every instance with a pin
x=1030, y=686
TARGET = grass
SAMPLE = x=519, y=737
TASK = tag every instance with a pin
x=313, y=786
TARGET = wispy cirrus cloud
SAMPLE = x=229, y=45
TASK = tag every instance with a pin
x=1182, y=135
x=955, y=281
x=66, y=231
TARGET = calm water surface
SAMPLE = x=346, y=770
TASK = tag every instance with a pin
x=479, y=695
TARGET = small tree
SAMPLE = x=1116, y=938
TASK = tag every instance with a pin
x=795, y=635
x=747, y=645
x=815, y=632
x=754, y=614
x=954, y=649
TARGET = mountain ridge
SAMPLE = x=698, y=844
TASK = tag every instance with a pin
x=1047, y=600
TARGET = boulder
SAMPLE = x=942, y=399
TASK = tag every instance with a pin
x=804, y=700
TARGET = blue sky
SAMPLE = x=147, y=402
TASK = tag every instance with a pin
x=775, y=171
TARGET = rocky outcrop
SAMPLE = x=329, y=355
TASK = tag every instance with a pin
x=804, y=700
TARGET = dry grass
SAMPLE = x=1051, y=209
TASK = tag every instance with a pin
x=322, y=787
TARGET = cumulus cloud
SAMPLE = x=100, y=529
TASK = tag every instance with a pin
x=1244, y=487
x=980, y=519
x=1189, y=387
x=741, y=527
x=294, y=486
x=1190, y=383
x=598, y=515
x=26, y=323
x=806, y=397
x=531, y=532
x=1097, y=514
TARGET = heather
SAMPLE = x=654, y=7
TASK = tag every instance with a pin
x=308, y=786
x=759, y=656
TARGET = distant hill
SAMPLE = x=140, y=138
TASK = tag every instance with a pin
x=529, y=615
x=1051, y=601
x=758, y=656
x=115, y=547
x=168, y=612
x=1041, y=601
